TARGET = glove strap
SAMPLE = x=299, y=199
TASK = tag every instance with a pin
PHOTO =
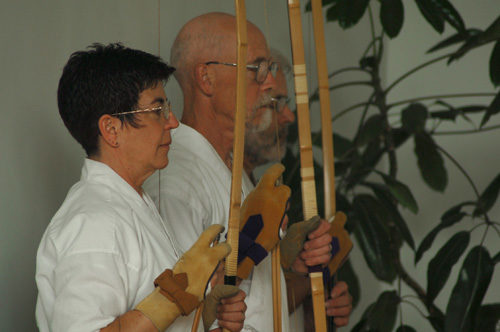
x=247, y=245
x=173, y=287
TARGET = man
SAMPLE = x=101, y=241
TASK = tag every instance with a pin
x=100, y=261
x=199, y=175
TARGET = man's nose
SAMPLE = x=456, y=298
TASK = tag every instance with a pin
x=286, y=116
x=269, y=83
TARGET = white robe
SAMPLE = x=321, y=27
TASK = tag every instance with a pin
x=100, y=254
x=194, y=192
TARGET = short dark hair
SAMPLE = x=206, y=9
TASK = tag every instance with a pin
x=105, y=79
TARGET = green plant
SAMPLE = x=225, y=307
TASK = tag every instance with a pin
x=371, y=198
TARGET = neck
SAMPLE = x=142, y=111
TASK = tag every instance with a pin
x=114, y=161
x=217, y=129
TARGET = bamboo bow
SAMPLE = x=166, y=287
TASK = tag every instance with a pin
x=309, y=204
x=231, y=266
x=306, y=156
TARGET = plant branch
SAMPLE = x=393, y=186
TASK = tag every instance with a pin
x=346, y=69
x=484, y=234
x=494, y=224
x=372, y=29
x=466, y=175
x=434, y=311
x=415, y=307
x=347, y=110
x=315, y=94
x=460, y=168
x=417, y=68
x=461, y=132
x=456, y=95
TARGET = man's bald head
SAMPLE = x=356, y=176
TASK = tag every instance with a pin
x=205, y=38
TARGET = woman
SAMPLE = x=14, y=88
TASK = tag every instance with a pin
x=105, y=246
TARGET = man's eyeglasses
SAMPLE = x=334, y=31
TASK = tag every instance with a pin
x=261, y=69
x=164, y=109
x=279, y=103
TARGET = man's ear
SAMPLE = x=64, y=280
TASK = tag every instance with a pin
x=109, y=127
x=204, y=77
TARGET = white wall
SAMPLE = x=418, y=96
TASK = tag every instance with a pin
x=40, y=161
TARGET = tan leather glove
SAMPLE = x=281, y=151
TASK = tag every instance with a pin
x=262, y=213
x=213, y=298
x=338, y=232
x=294, y=240
x=179, y=291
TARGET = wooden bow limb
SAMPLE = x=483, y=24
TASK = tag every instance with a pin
x=276, y=279
x=328, y=153
x=197, y=317
x=231, y=266
x=309, y=204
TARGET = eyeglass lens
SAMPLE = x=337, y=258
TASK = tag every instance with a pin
x=263, y=69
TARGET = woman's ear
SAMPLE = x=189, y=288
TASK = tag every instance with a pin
x=204, y=77
x=109, y=128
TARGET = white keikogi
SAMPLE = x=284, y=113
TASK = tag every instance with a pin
x=195, y=192
x=101, y=254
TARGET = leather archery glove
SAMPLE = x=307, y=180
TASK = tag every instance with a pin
x=180, y=290
x=341, y=243
x=213, y=298
x=293, y=242
x=261, y=216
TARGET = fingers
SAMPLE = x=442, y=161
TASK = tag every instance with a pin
x=339, y=289
x=340, y=304
x=317, y=250
x=322, y=229
x=208, y=236
x=231, y=313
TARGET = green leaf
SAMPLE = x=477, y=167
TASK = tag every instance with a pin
x=452, y=216
x=496, y=259
x=383, y=315
x=455, y=39
x=440, y=266
x=450, y=14
x=493, y=109
x=373, y=237
x=414, y=117
x=392, y=16
x=495, y=64
x=452, y=112
x=437, y=323
x=405, y=328
x=387, y=200
x=467, y=295
x=430, y=162
x=333, y=14
x=401, y=192
x=449, y=218
x=492, y=33
x=399, y=136
x=372, y=129
x=350, y=12
x=487, y=318
x=341, y=146
x=431, y=14
x=488, y=197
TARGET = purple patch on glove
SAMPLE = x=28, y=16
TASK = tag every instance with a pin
x=335, y=246
x=247, y=245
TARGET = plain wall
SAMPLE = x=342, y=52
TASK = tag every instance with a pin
x=40, y=161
